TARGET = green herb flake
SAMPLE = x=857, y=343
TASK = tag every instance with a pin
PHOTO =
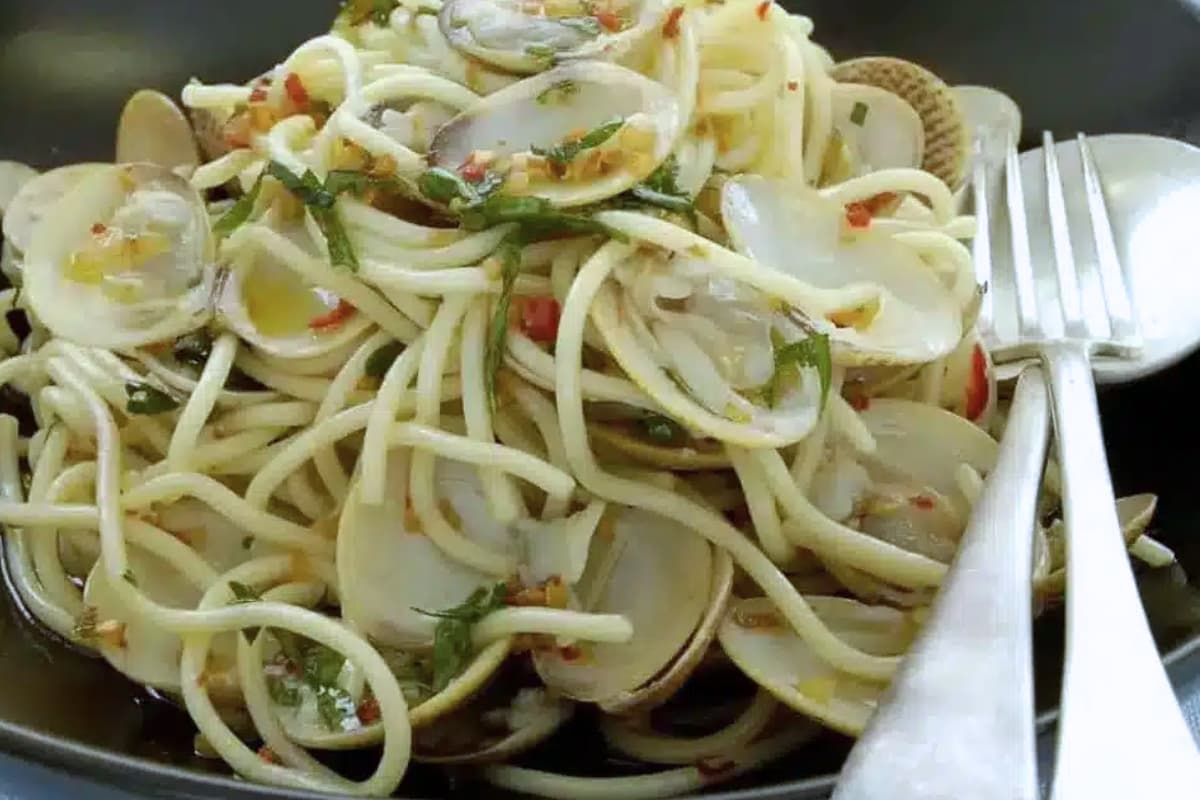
x=319, y=668
x=379, y=362
x=233, y=219
x=790, y=358
x=243, y=593
x=662, y=431
x=557, y=92
x=341, y=181
x=588, y=26
x=129, y=578
x=337, y=709
x=146, y=400
x=193, y=349
x=542, y=52
x=284, y=690
x=321, y=203
x=497, y=341
x=858, y=115
x=444, y=186
x=452, y=647
x=566, y=152
x=247, y=542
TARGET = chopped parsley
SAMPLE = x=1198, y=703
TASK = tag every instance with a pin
x=564, y=153
x=452, y=648
x=509, y=254
x=146, y=400
x=128, y=577
x=321, y=202
x=379, y=362
x=661, y=188
x=588, y=26
x=542, y=52
x=243, y=593
x=233, y=219
x=790, y=358
x=858, y=115
x=317, y=667
x=662, y=431
x=193, y=349
x=557, y=92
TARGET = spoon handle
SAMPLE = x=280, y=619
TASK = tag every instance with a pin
x=958, y=720
x=1121, y=732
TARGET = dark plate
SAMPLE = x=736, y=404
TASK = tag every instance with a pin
x=1097, y=65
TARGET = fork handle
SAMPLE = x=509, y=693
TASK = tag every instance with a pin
x=1121, y=731
x=958, y=720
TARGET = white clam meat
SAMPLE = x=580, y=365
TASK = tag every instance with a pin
x=124, y=259
x=799, y=232
x=600, y=127
x=526, y=37
x=759, y=641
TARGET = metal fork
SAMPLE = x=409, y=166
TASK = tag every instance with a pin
x=957, y=722
x=1121, y=733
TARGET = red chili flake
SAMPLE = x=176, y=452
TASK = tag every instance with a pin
x=763, y=9
x=858, y=215
x=859, y=402
x=539, y=318
x=267, y=755
x=610, y=21
x=714, y=767
x=295, y=90
x=671, y=26
x=368, y=711
x=472, y=171
x=571, y=652
x=342, y=312
x=921, y=501
x=977, y=386
x=793, y=86
x=99, y=229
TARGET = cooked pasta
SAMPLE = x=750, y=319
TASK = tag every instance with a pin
x=567, y=342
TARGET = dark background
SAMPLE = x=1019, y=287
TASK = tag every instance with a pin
x=66, y=67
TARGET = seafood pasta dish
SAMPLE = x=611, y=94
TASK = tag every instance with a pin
x=488, y=364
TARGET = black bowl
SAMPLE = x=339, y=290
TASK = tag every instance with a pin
x=67, y=66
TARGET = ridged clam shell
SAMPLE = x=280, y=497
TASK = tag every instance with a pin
x=946, y=137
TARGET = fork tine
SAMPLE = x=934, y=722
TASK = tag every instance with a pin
x=1027, y=313
x=1116, y=296
x=982, y=246
x=1064, y=256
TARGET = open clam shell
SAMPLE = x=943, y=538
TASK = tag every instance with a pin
x=761, y=643
x=387, y=566
x=271, y=306
x=13, y=177
x=508, y=718
x=796, y=231
x=153, y=130
x=524, y=38
x=124, y=259
x=1133, y=512
x=659, y=576
x=879, y=129
x=945, y=131
x=34, y=197
x=628, y=122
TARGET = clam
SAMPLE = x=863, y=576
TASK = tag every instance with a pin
x=946, y=142
x=799, y=232
x=762, y=644
x=388, y=566
x=123, y=259
x=1133, y=512
x=600, y=128
x=526, y=37
x=153, y=130
x=878, y=129
x=506, y=719
x=13, y=177
x=37, y=195
x=664, y=579
x=704, y=348
x=276, y=310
